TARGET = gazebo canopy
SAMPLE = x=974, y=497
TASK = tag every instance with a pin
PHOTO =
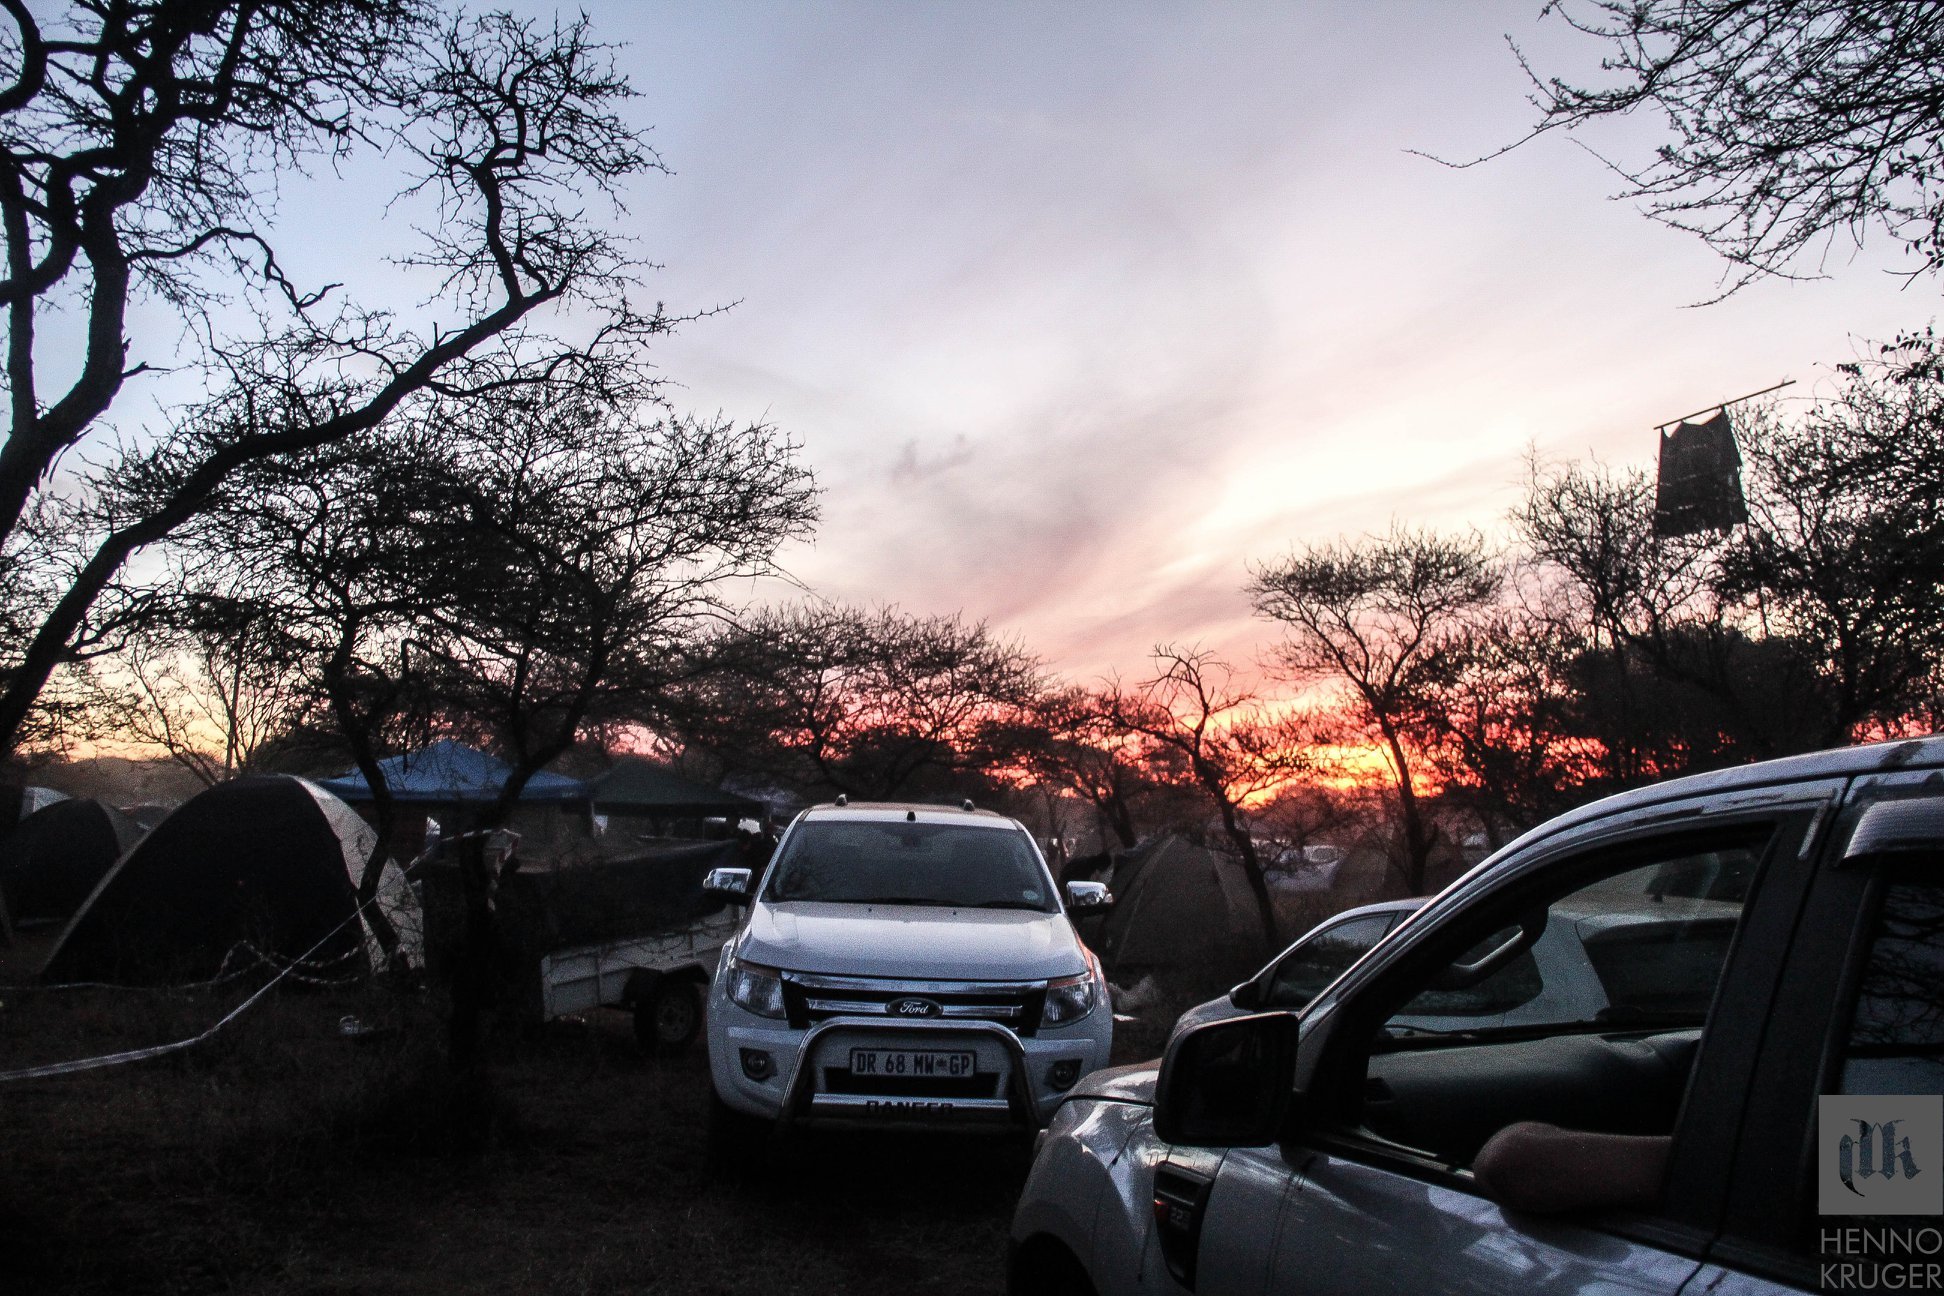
x=636, y=786
x=448, y=772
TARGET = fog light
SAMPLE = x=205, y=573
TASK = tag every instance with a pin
x=759, y=1066
x=1063, y=1073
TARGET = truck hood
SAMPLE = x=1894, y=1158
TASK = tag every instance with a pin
x=918, y=942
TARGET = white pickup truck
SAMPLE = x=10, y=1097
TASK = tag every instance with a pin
x=906, y=964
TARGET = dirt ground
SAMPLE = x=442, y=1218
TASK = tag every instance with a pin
x=285, y=1157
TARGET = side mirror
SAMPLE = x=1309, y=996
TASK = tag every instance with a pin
x=1227, y=1084
x=729, y=883
x=1088, y=897
x=1248, y=995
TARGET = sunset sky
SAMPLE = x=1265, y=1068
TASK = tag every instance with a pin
x=1078, y=309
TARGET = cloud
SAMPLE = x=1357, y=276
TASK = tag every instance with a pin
x=1080, y=310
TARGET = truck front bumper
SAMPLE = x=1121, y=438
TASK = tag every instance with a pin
x=797, y=1084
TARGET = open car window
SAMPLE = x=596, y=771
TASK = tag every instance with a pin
x=1584, y=1011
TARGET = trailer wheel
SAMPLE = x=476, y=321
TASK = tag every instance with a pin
x=668, y=1018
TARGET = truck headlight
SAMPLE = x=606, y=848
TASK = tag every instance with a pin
x=755, y=988
x=1069, y=999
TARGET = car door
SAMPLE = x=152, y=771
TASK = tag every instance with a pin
x=1234, y=1212
x=1860, y=1014
x=1378, y=1191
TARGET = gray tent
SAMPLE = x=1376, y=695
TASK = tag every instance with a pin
x=265, y=864
x=1179, y=907
x=53, y=860
x=638, y=787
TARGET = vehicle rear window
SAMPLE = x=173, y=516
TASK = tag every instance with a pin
x=899, y=863
x=1896, y=1041
x=1322, y=958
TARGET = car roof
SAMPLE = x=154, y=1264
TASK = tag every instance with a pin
x=907, y=812
x=1838, y=762
x=1380, y=907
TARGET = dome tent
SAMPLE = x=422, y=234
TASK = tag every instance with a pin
x=1179, y=907
x=52, y=862
x=17, y=802
x=271, y=862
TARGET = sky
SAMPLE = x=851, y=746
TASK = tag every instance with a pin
x=1079, y=309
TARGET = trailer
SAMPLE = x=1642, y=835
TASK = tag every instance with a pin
x=661, y=978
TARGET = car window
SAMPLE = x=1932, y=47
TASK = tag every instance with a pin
x=1598, y=997
x=1512, y=986
x=1895, y=1041
x=908, y=863
x=1322, y=958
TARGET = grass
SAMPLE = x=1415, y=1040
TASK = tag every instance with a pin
x=286, y=1159
x=283, y=1158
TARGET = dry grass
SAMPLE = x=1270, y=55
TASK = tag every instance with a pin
x=283, y=1158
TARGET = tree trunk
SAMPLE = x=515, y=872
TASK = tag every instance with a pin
x=383, y=808
x=1417, y=838
x=1238, y=833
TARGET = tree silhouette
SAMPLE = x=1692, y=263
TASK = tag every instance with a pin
x=1377, y=619
x=1790, y=123
x=143, y=146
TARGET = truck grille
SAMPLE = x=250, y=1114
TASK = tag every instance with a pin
x=810, y=999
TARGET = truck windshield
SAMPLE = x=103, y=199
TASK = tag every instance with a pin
x=899, y=863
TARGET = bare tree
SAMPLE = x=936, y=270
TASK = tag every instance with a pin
x=1843, y=552
x=143, y=144
x=213, y=683
x=1237, y=751
x=1070, y=742
x=1375, y=619
x=1791, y=122
x=875, y=703
x=1812, y=623
x=330, y=544
x=1501, y=726
x=589, y=549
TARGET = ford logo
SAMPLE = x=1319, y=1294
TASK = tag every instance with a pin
x=913, y=1008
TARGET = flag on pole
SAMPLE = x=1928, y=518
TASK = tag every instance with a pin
x=1700, y=479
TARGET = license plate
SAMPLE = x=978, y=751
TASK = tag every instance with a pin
x=911, y=1062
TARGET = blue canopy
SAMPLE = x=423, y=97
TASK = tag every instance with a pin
x=449, y=771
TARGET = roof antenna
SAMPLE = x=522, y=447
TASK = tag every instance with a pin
x=911, y=816
x=842, y=799
x=966, y=804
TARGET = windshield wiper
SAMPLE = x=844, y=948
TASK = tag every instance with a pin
x=1005, y=904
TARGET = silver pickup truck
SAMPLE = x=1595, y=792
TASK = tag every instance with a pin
x=905, y=964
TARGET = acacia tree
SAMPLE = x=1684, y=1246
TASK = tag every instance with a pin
x=1843, y=552
x=332, y=545
x=588, y=548
x=1235, y=750
x=1791, y=122
x=1811, y=623
x=1374, y=620
x=876, y=703
x=1070, y=742
x=1500, y=723
x=143, y=145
